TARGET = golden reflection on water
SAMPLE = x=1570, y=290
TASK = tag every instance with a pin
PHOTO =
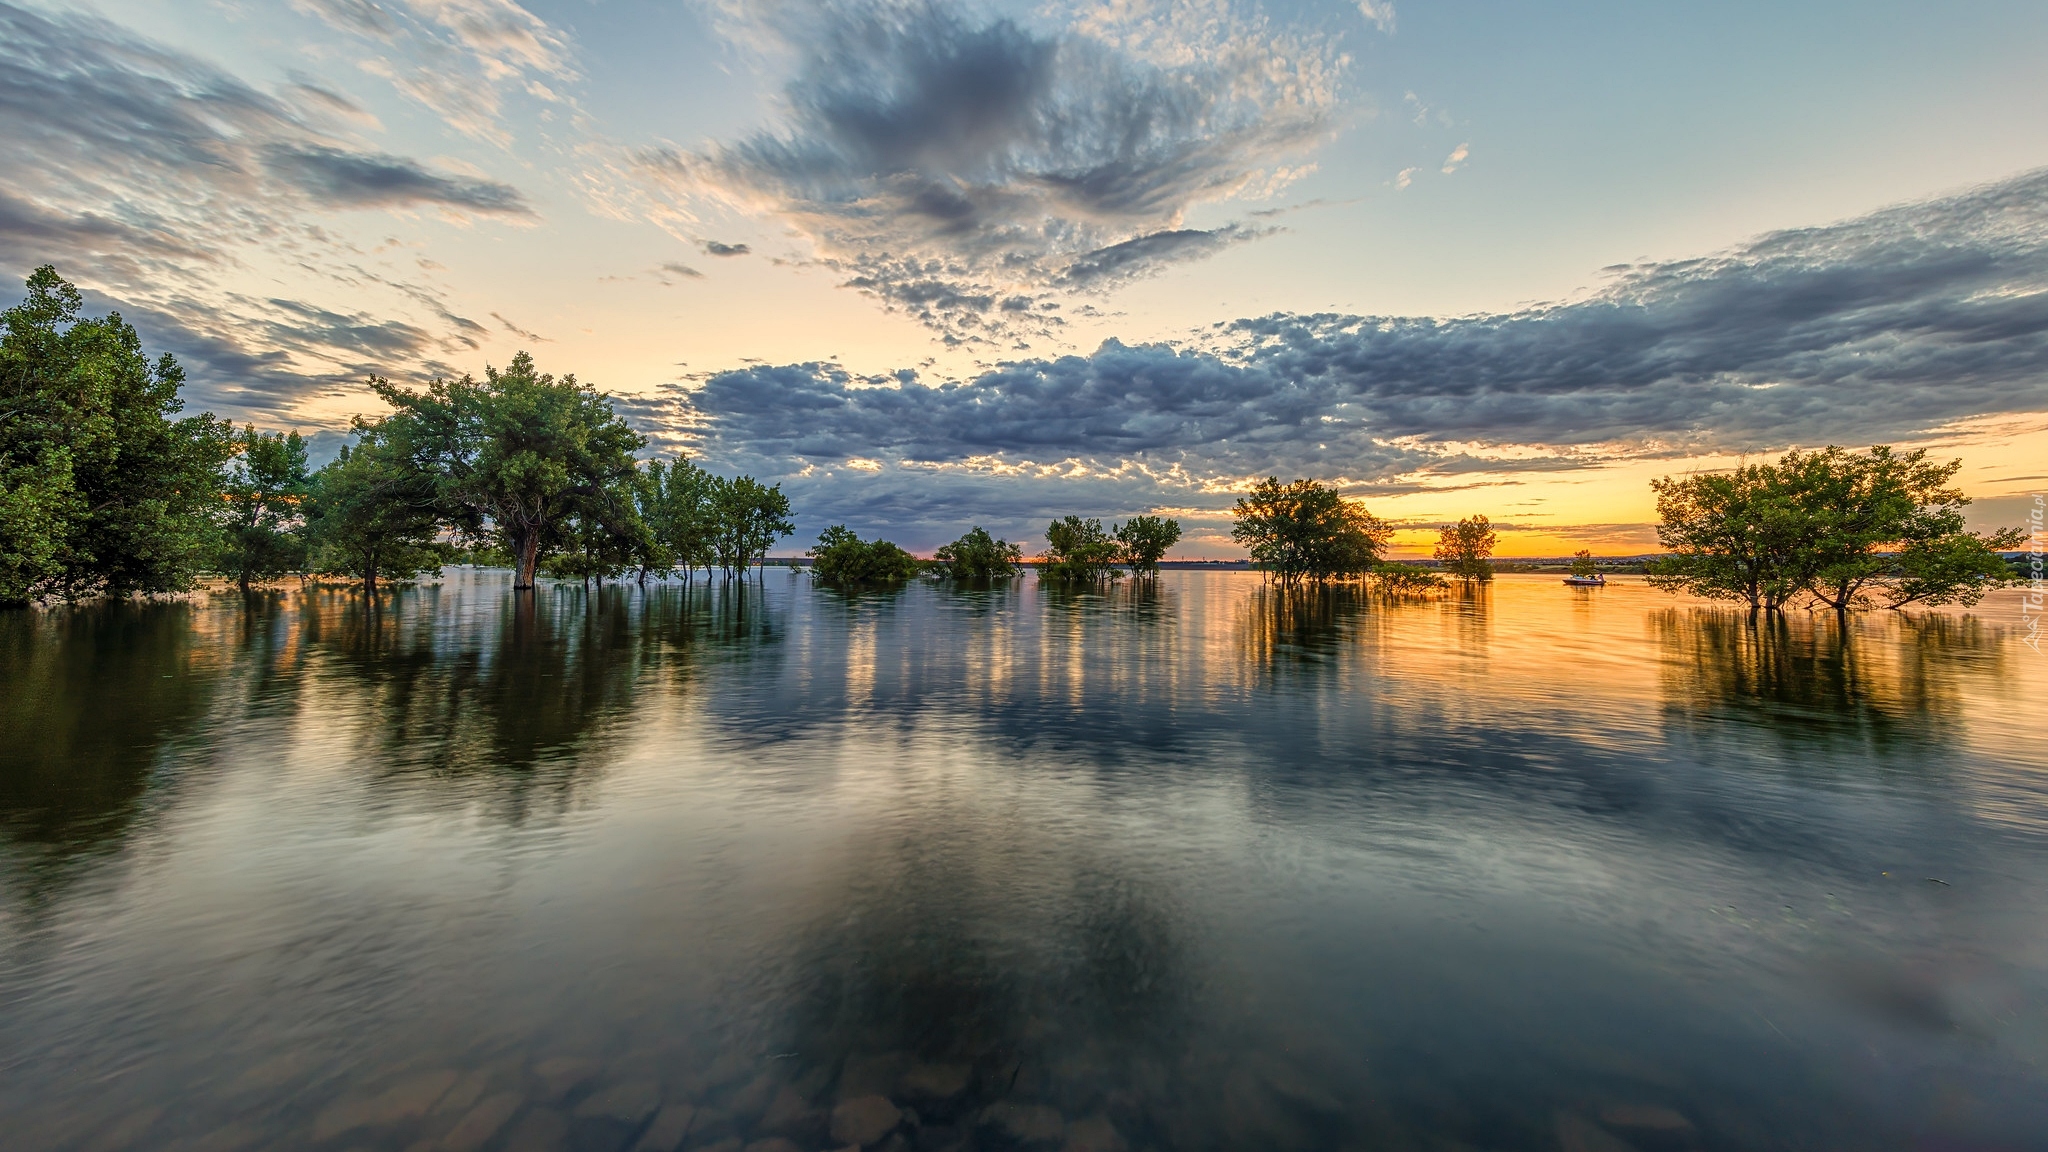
x=1232, y=865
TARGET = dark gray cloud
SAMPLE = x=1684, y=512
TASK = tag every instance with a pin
x=158, y=181
x=950, y=163
x=341, y=179
x=1881, y=328
x=714, y=248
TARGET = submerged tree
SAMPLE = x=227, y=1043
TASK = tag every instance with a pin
x=518, y=456
x=841, y=557
x=1078, y=551
x=1407, y=580
x=1307, y=531
x=1582, y=563
x=264, y=493
x=101, y=489
x=1890, y=532
x=1143, y=540
x=1465, y=546
x=978, y=556
x=747, y=518
x=1850, y=530
x=372, y=515
x=675, y=504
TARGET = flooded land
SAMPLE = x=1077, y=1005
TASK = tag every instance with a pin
x=1183, y=865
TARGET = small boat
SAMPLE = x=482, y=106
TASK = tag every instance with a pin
x=1586, y=581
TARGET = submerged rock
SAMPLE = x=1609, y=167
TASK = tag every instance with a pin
x=628, y=1103
x=1654, y=1117
x=864, y=1119
x=562, y=1075
x=789, y=1113
x=1578, y=1134
x=936, y=1081
x=480, y=1123
x=1025, y=1123
x=407, y=1100
x=1095, y=1134
x=543, y=1130
x=667, y=1132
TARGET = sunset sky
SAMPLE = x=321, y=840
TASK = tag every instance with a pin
x=932, y=265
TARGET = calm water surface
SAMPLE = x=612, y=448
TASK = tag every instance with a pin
x=1177, y=867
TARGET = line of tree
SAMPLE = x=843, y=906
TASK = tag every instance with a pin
x=1837, y=529
x=105, y=489
x=1077, y=551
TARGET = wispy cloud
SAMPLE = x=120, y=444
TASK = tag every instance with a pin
x=1456, y=158
x=155, y=178
x=461, y=58
x=1880, y=328
x=950, y=164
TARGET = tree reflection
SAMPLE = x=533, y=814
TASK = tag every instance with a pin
x=1820, y=680
x=1301, y=625
x=93, y=696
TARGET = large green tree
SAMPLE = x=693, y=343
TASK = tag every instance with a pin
x=102, y=489
x=263, y=496
x=978, y=556
x=1143, y=540
x=1078, y=551
x=1464, y=548
x=519, y=455
x=675, y=504
x=1848, y=529
x=372, y=515
x=1307, y=531
x=841, y=557
x=1890, y=530
x=747, y=518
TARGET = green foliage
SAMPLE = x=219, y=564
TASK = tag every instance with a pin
x=1306, y=531
x=1079, y=551
x=978, y=556
x=1582, y=563
x=521, y=456
x=747, y=518
x=1464, y=547
x=1142, y=540
x=101, y=491
x=676, y=506
x=372, y=515
x=841, y=557
x=263, y=491
x=1850, y=530
x=1407, y=580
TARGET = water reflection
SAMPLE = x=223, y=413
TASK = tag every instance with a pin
x=1892, y=688
x=1186, y=863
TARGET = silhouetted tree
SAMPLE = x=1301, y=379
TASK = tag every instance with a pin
x=1306, y=531
x=1143, y=540
x=1464, y=547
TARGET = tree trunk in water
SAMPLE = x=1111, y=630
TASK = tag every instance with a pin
x=370, y=580
x=529, y=560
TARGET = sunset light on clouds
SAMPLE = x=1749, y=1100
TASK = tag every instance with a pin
x=937, y=264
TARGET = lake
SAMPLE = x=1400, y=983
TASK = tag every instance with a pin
x=1183, y=865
